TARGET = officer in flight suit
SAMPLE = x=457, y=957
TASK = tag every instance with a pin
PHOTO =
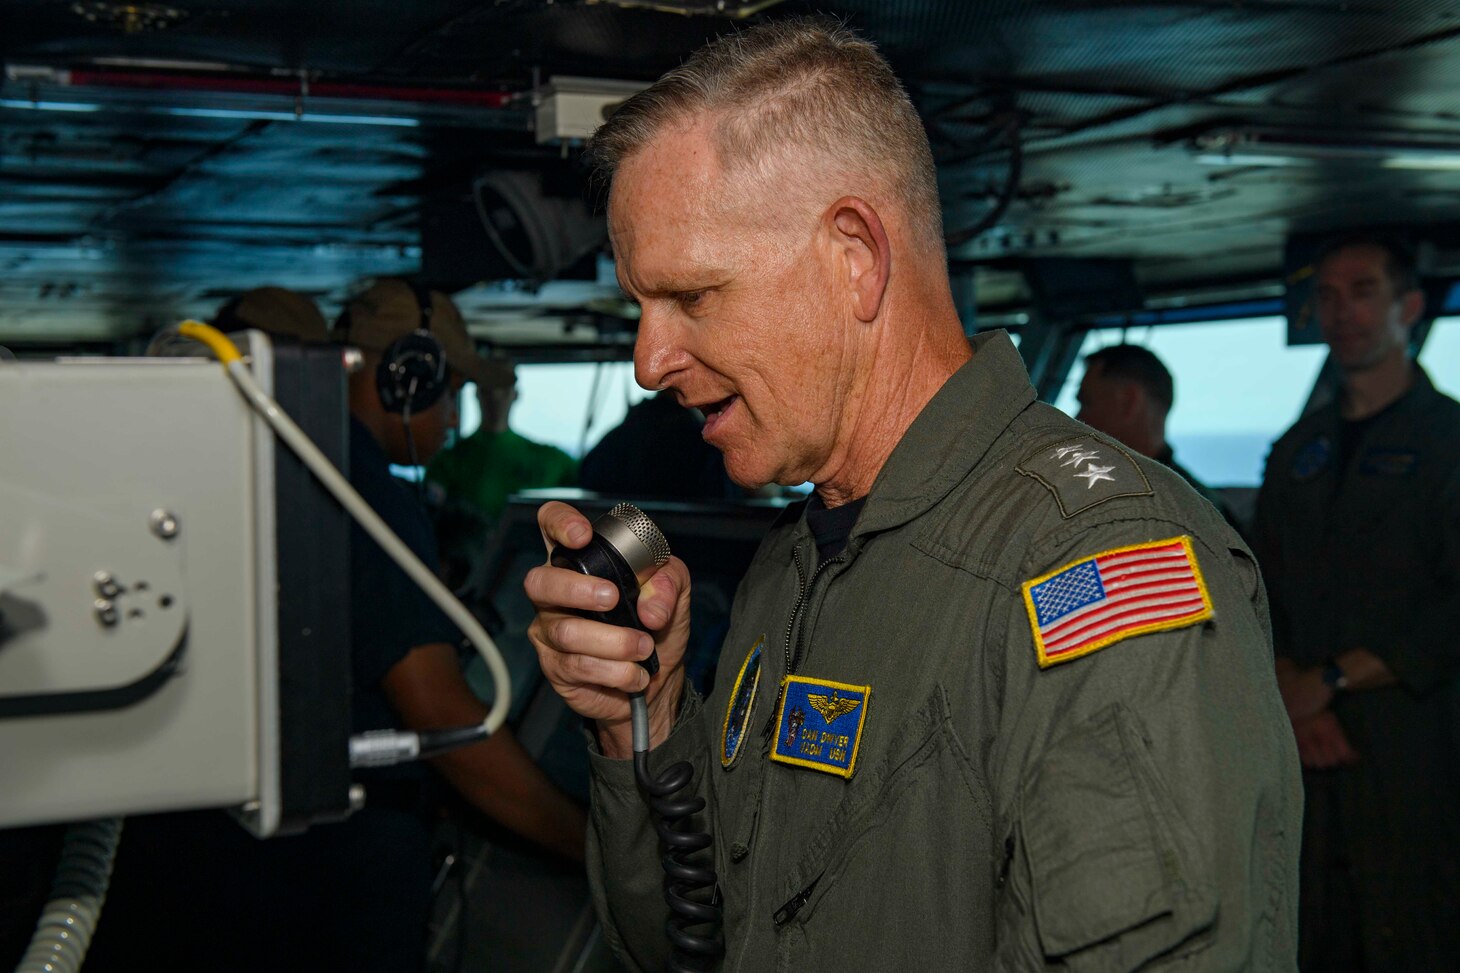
x=1358, y=533
x=1037, y=719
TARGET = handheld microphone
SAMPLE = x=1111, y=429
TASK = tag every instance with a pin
x=626, y=549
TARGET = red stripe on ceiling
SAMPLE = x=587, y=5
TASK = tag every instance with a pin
x=162, y=81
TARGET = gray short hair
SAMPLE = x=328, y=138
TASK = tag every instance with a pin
x=797, y=83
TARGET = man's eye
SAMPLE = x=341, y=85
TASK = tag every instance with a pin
x=691, y=299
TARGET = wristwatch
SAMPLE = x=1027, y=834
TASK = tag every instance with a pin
x=1333, y=676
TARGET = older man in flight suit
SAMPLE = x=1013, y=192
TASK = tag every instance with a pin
x=1358, y=531
x=999, y=695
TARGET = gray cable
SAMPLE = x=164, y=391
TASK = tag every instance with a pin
x=639, y=721
x=63, y=933
x=424, y=577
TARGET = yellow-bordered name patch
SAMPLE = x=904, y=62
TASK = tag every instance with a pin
x=820, y=723
x=1114, y=595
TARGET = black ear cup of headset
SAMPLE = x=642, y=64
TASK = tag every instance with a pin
x=412, y=375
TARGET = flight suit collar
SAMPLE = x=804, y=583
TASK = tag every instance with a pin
x=950, y=436
x=1419, y=395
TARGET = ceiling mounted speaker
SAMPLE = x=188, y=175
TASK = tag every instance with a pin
x=535, y=234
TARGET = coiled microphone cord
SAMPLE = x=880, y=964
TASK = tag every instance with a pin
x=626, y=549
x=693, y=926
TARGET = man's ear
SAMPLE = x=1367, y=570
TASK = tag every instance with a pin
x=861, y=240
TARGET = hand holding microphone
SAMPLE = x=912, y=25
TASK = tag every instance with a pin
x=591, y=607
x=598, y=634
x=626, y=549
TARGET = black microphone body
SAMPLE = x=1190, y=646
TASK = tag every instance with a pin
x=625, y=549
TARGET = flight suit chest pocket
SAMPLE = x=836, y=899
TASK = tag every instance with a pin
x=1381, y=493
x=913, y=836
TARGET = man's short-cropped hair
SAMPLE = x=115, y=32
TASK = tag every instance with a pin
x=1400, y=263
x=805, y=85
x=1133, y=363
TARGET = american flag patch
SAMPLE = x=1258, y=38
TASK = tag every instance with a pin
x=1100, y=600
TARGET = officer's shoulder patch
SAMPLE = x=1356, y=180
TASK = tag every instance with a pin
x=1083, y=472
x=1126, y=591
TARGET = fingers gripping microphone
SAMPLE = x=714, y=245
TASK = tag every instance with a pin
x=626, y=549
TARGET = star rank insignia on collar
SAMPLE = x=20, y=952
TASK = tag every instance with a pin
x=1084, y=472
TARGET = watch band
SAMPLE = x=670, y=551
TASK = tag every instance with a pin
x=1333, y=677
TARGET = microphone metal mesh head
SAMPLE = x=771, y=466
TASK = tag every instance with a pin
x=644, y=529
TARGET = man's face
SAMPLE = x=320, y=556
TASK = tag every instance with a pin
x=429, y=427
x=1106, y=403
x=1364, y=322
x=739, y=315
x=495, y=400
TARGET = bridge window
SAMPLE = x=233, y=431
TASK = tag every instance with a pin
x=555, y=402
x=1238, y=387
x=1441, y=355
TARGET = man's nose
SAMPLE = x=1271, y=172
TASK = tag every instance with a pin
x=1340, y=310
x=659, y=350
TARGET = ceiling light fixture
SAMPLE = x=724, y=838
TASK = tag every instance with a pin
x=243, y=114
x=734, y=9
x=27, y=104
x=1253, y=146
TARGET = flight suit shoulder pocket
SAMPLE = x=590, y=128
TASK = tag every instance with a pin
x=1111, y=872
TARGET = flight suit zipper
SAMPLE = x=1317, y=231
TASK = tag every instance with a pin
x=788, y=911
x=793, y=658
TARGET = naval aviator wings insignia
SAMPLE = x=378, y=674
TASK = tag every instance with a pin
x=1083, y=472
x=831, y=707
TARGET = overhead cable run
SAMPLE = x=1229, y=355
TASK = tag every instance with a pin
x=1012, y=134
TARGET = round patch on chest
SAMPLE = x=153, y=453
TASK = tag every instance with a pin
x=1309, y=461
x=742, y=701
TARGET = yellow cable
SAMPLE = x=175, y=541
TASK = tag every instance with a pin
x=216, y=340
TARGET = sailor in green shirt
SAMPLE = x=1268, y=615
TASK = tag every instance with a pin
x=494, y=462
x=1000, y=695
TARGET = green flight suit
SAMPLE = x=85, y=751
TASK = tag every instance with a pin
x=1369, y=557
x=1137, y=807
